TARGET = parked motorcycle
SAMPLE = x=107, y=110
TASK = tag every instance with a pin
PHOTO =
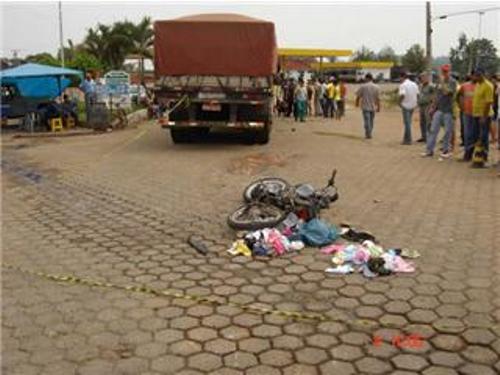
x=268, y=201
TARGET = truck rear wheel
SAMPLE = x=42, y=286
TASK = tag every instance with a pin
x=181, y=135
x=262, y=136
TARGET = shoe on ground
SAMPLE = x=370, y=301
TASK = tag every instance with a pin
x=421, y=140
x=426, y=155
x=445, y=155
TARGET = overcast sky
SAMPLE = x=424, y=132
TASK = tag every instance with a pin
x=33, y=27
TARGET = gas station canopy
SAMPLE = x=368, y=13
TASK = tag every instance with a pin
x=314, y=52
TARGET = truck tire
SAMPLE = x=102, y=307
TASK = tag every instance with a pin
x=181, y=135
x=261, y=137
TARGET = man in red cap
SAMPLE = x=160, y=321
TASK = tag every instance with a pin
x=443, y=105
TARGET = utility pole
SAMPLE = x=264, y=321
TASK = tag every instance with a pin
x=61, y=44
x=428, y=34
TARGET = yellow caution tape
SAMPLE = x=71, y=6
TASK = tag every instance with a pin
x=254, y=309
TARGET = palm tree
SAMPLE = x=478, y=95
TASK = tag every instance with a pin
x=110, y=44
x=142, y=42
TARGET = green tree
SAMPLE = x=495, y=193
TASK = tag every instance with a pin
x=82, y=60
x=364, y=54
x=142, y=43
x=387, y=54
x=110, y=44
x=474, y=53
x=43, y=58
x=414, y=59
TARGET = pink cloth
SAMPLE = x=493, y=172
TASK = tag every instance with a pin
x=275, y=241
x=332, y=248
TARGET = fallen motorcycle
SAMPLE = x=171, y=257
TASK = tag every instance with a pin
x=268, y=201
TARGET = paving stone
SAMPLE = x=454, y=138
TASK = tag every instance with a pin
x=346, y=352
x=473, y=369
x=448, y=342
x=438, y=370
x=287, y=342
x=151, y=349
x=262, y=370
x=185, y=347
x=266, y=330
x=409, y=362
x=373, y=366
x=167, y=364
x=478, y=336
x=446, y=359
x=220, y=346
x=276, y=357
x=312, y=356
x=480, y=354
x=205, y=361
x=299, y=369
x=322, y=341
x=202, y=334
x=255, y=345
x=337, y=367
x=240, y=360
x=169, y=335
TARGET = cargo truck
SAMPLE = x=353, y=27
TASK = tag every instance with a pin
x=215, y=71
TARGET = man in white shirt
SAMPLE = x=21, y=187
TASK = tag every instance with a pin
x=408, y=94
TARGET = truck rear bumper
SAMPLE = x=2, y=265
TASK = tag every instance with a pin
x=211, y=124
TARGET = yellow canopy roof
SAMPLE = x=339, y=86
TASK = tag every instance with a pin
x=354, y=65
x=313, y=52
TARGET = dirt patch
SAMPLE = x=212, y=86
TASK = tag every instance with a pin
x=256, y=163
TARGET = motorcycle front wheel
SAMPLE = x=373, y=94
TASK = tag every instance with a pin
x=255, y=216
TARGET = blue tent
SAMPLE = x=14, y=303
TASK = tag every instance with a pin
x=36, y=80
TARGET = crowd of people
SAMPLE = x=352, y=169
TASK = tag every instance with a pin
x=471, y=102
x=317, y=97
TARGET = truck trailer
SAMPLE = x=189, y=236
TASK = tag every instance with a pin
x=215, y=71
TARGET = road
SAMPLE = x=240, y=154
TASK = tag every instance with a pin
x=118, y=208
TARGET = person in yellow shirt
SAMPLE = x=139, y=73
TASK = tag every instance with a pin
x=482, y=109
x=330, y=100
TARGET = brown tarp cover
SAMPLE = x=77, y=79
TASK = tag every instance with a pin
x=215, y=44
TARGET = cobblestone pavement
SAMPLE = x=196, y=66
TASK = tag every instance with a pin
x=113, y=210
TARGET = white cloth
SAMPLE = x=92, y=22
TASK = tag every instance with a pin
x=409, y=90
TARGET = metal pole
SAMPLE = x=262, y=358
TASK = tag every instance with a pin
x=61, y=44
x=428, y=34
x=480, y=24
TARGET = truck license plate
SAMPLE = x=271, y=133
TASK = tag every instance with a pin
x=211, y=107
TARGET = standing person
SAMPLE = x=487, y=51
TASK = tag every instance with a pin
x=368, y=98
x=424, y=101
x=343, y=95
x=88, y=87
x=310, y=98
x=482, y=109
x=337, y=98
x=300, y=101
x=443, y=104
x=324, y=97
x=493, y=127
x=408, y=93
x=290, y=97
x=464, y=97
x=330, y=103
x=318, y=95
